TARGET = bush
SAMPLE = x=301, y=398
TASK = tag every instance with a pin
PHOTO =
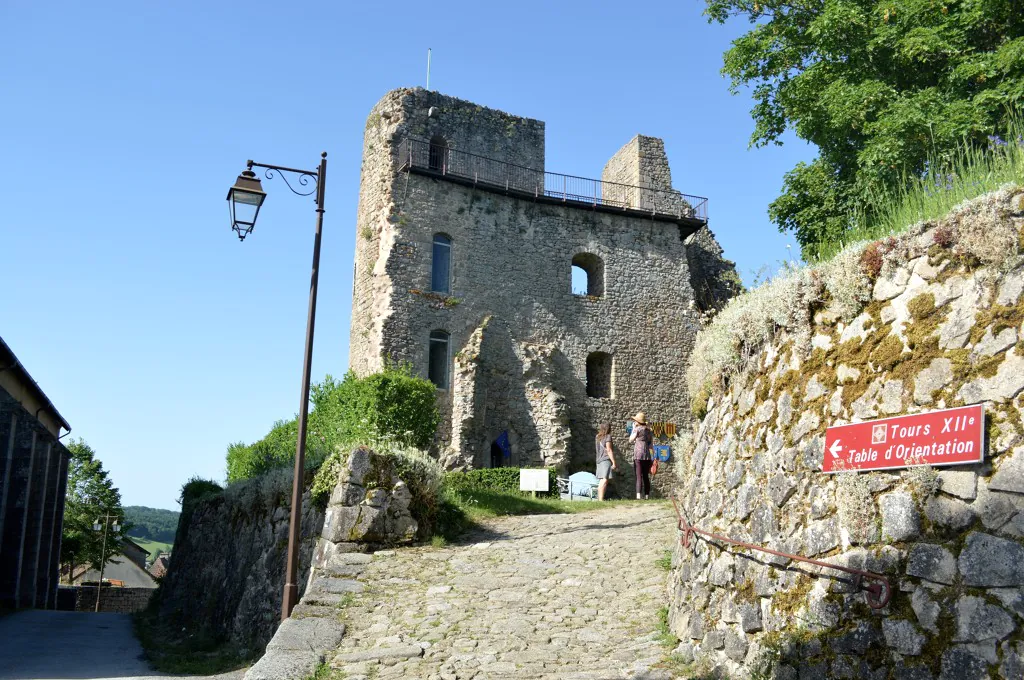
x=393, y=405
x=277, y=449
x=389, y=410
x=503, y=479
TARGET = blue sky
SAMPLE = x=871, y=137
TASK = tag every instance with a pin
x=157, y=334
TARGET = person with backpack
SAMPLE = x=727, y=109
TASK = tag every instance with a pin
x=643, y=447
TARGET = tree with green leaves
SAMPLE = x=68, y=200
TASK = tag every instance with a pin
x=881, y=87
x=391, y=407
x=91, y=495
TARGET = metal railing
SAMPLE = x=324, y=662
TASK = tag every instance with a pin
x=877, y=589
x=424, y=156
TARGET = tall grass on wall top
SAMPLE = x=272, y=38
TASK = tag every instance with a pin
x=969, y=172
x=976, y=232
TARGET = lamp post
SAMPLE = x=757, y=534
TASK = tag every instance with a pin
x=245, y=199
x=103, y=553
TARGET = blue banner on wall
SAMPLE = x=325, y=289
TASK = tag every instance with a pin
x=662, y=452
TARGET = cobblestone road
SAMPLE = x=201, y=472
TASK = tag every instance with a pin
x=544, y=596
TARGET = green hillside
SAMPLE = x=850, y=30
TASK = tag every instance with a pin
x=153, y=547
x=151, y=524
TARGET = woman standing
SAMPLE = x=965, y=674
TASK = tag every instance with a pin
x=643, y=446
x=605, y=458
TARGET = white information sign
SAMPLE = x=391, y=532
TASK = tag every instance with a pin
x=533, y=480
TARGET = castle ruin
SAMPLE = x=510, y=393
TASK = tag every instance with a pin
x=465, y=247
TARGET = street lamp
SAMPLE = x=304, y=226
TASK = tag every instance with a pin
x=96, y=526
x=245, y=199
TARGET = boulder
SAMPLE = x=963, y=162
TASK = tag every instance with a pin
x=963, y=664
x=977, y=621
x=1009, y=475
x=780, y=489
x=900, y=518
x=950, y=513
x=960, y=484
x=937, y=375
x=1006, y=384
x=821, y=536
x=926, y=609
x=931, y=562
x=988, y=561
x=902, y=637
x=993, y=344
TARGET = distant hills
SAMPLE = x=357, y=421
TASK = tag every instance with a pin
x=153, y=524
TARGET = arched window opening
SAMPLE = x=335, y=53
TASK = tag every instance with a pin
x=587, y=275
x=600, y=375
x=438, y=156
x=439, y=361
x=441, y=264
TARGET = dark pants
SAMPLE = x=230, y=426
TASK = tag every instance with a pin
x=643, y=476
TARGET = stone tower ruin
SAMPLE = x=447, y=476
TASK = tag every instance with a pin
x=464, y=253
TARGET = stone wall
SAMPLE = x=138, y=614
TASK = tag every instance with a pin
x=713, y=278
x=116, y=600
x=939, y=329
x=227, y=570
x=638, y=176
x=407, y=114
x=370, y=507
x=511, y=263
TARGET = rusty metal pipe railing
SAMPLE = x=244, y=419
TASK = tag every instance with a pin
x=876, y=587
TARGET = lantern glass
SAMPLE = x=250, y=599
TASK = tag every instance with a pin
x=96, y=525
x=116, y=527
x=244, y=201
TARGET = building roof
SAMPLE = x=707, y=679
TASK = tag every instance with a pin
x=8, y=361
x=159, y=567
x=121, y=569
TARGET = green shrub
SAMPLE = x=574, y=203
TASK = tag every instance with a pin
x=504, y=479
x=276, y=449
x=389, y=410
x=393, y=405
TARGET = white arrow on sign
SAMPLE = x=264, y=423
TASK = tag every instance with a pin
x=835, y=449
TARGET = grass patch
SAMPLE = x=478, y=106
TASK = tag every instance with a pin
x=462, y=509
x=154, y=548
x=665, y=561
x=170, y=650
x=325, y=672
x=482, y=504
x=665, y=636
x=972, y=172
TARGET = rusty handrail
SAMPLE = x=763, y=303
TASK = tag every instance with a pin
x=877, y=589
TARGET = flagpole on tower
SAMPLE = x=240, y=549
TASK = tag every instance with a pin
x=428, y=68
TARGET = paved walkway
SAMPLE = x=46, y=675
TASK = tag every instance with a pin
x=544, y=596
x=49, y=645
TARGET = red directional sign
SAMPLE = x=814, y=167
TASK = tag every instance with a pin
x=952, y=436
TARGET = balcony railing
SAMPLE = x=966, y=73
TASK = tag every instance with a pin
x=667, y=203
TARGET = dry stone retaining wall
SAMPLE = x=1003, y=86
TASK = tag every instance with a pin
x=369, y=507
x=226, y=575
x=938, y=330
x=118, y=600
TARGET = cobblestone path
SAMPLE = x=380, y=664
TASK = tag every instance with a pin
x=543, y=596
